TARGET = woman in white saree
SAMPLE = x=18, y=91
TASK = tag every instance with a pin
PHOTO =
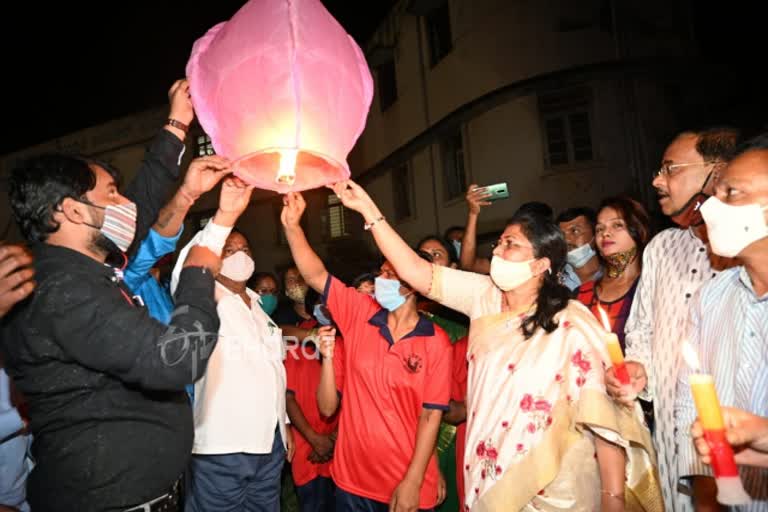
x=542, y=432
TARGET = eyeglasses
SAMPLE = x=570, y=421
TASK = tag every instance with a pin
x=671, y=169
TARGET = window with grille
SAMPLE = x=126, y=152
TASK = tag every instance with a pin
x=387, y=85
x=438, y=23
x=204, y=146
x=566, y=118
x=337, y=225
x=454, y=177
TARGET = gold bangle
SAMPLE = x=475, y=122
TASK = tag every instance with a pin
x=615, y=496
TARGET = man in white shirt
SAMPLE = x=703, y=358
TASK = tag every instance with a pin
x=676, y=263
x=241, y=440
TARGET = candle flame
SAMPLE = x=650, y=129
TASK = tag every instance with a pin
x=690, y=356
x=286, y=175
x=604, y=318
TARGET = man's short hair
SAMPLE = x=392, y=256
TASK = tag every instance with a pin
x=757, y=143
x=39, y=185
x=579, y=211
x=363, y=278
x=714, y=144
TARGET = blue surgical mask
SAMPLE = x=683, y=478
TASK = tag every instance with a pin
x=320, y=316
x=579, y=256
x=269, y=303
x=457, y=246
x=388, y=293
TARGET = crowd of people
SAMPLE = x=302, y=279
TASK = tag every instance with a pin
x=440, y=380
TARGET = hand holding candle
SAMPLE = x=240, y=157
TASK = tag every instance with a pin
x=617, y=358
x=730, y=490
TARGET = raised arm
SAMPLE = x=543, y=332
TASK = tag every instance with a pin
x=234, y=198
x=307, y=261
x=156, y=178
x=468, y=257
x=203, y=174
x=409, y=266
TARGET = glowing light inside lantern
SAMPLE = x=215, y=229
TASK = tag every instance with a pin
x=730, y=490
x=286, y=175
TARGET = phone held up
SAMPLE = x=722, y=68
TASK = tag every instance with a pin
x=497, y=191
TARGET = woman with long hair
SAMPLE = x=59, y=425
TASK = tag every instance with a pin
x=621, y=232
x=542, y=432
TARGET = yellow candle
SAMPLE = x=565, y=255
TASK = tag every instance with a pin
x=707, y=405
x=614, y=349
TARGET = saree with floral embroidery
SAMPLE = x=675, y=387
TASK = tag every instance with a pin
x=535, y=406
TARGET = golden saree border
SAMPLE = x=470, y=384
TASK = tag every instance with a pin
x=522, y=481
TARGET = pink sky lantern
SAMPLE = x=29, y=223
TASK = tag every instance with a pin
x=283, y=91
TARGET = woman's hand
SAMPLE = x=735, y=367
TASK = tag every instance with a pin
x=476, y=198
x=638, y=379
x=327, y=336
x=293, y=208
x=355, y=198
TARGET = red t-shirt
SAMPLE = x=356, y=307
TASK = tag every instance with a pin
x=302, y=369
x=459, y=394
x=385, y=387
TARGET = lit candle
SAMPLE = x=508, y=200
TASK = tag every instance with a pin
x=617, y=357
x=730, y=490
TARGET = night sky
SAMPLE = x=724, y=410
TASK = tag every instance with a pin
x=70, y=65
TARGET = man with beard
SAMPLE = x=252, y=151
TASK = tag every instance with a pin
x=676, y=263
x=105, y=382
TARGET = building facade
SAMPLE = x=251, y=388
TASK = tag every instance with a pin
x=566, y=102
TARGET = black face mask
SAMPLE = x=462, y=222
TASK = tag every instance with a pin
x=690, y=214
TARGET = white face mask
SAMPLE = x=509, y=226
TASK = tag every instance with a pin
x=579, y=256
x=732, y=228
x=508, y=275
x=238, y=267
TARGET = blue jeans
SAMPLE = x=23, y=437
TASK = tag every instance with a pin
x=346, y=502
x=317, y=495
x=236, y=481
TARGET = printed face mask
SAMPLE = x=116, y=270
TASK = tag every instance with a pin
x=297, y=293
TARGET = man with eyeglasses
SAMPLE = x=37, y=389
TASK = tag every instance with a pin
x=676, y=263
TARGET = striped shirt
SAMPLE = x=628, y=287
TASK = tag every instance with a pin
x=729, y=329
x=675, y=266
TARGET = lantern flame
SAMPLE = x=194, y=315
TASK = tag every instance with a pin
x=604, y=318
x=286, y=175
x=690, y=356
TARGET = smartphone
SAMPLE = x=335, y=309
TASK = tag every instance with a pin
x=497, y=191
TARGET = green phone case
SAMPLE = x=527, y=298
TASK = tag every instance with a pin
x=498, y=191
